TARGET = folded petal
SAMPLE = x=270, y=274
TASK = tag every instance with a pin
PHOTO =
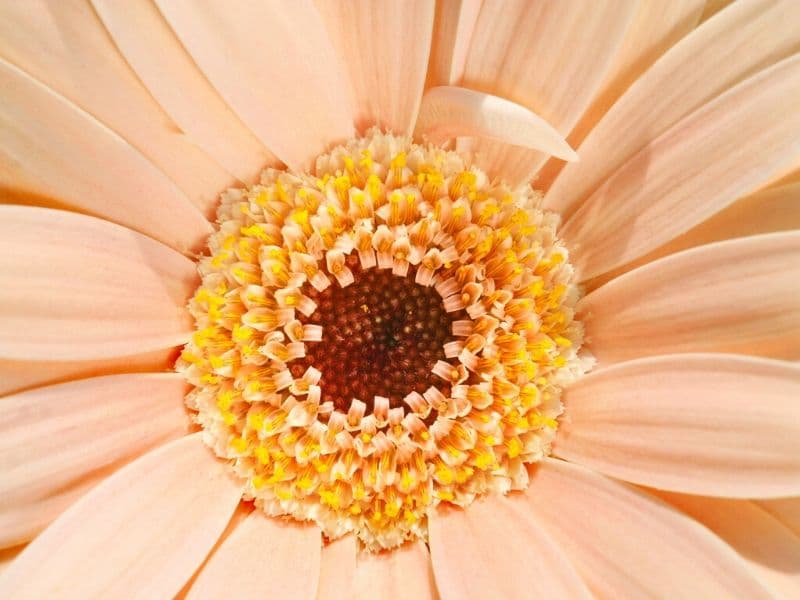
x=771, y=550
x=735, y=296
x=263, y=553
x=712, y=424
x=78, y=288
x=180, y=88
x=64, y=45
x=337, y=568
x=741, y=41
x=626, y=543
x=786, y=510
x=730, y=147
x=57, y=442
x=384, y=46
x=20, y=375
x=274, y=65
x=524, y=561
x=8, y=555
x=452, y=33
x=400, y=574
x=139, y=534
x=54, y=150
x=547, y=56
x=449, y=111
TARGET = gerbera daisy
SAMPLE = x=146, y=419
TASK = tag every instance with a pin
x=399, y=299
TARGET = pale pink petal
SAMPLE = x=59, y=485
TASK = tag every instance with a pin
x=713, y=424
x=735, y=296
x=263, y=557
x=273, y=63
x=139, y=534
x=728, y=148
x=495, y=548
x=786, y=510
x=627, y=544
x=7, y=556
x=384, y=46
x=547, y=56
x=52, y=149
x=772, y=208
x=449, y=111
x=78, y=288
x=743, y=40
x=452, y=32
x=180, y=87
x=771, y=550
x=337, y=569
x=57, y=442
x=20, y=375
x=64, y=45
x=403, y=573
x=655, y=28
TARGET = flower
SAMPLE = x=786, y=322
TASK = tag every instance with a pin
x=391, y=132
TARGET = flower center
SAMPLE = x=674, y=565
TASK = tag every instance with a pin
x=381, y=336
x=388, y=333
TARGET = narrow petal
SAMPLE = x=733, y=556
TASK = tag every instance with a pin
x=263, y=553
x=20, y=375
x=523, y=561
x=57, y=442
x=77, y=288
x=712, y=424
x=786, y=510
x=54, y=150
x=735, y=296
x=65, y=46
x=730, y=147
x=625, y=543
x=773, y=208
x=275, y=66
x=452, y=33
x=547, y=56
x=139, y=534
x=700, y=67
x=337, y=568
x=449, y=112
x=400, y=574
x=172, y=77
x=384, y=46
x=771, y=550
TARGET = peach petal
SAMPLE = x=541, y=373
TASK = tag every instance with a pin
x=773, y=208
x=734, y=296
x=400, y=574
x=523, y=560
x=263, y=553
x=547, y=56
x=171, y=77
x=337, y=568
x=78, y=288
x=449, y=111
x=139, y=534
x=786, y=510
x=728, y=148
x=712, y=424
x=103, y=175
x=697, y=69
x=20, y=375
x=7, y=556
x=287, y=89
x=57, y=442
x=452, y=32
x=771, y=550
x=65, y=46
x=384, y=46
x=625, y=543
